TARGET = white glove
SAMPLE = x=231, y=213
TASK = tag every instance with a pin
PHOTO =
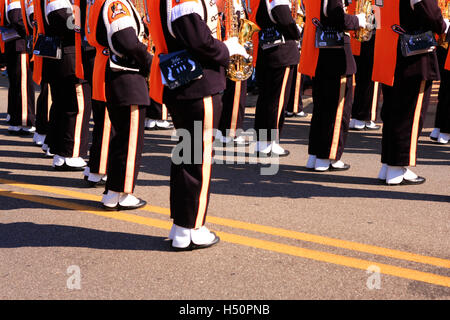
x=447, y=22
x=300, y=29
x=362, y=20
x=234, y=47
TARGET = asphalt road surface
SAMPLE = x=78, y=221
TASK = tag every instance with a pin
x=293, y=235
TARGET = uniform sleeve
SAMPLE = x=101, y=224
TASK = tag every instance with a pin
x=194, y=35
x=283, y=17
x=338, y=18
x=16, y=21
x=58, y=22
x=430, y=15
x=126, y=42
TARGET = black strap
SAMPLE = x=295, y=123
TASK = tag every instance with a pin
x=317, y=23
x=398, y=29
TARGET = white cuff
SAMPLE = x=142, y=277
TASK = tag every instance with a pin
x=413, y=2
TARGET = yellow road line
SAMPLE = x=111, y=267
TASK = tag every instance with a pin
x=246, y=241
x=296, y=235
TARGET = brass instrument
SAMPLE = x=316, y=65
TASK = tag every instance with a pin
x=445, y=7
x=240, y=68
x=364, y=6
x=141, y=8
x=298, y=17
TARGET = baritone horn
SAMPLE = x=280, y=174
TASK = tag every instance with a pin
x=240, y=68
x=365, y=7
x=445, y=7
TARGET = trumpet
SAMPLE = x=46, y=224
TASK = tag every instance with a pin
x=445, y=7
x=364, y=6
x=240, y=68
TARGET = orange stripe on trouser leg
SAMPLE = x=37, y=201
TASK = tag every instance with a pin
x=164, y=112
x=105, y=144
x=236, y=101
x=132, y=149
x=207, y=160
x=374, y=101
x=79, y=120
x=338, y=120
x=298, y=83
x=24, y=87
x=415, y=126
x=49, y=102
x=282, y=95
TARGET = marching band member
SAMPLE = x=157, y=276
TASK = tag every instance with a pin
x=274, y=71
x=407, y=80
x=43, y=102
x=93, y=56
x=234, y=98
x=294, y=106
x=21, y=103
x=189, y=30
x=332, y=69
x=366, y=92
x=67, y=137
x=120, y=30
x=441, y=131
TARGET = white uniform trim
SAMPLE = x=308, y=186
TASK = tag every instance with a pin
x=57, y=5
x=30, y=8
x=13, y=5
x=9, y=7
x=413, y=2
x=325, y=8
x=121, y=23
x=270, y=6
x=29, y=11
x=181, y=10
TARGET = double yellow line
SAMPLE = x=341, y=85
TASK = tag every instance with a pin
x=272, y=246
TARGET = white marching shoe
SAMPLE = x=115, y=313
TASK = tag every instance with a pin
x=150, y=124
x=240, y=141
x=163, y=125
x=263, y=148
x=382, y=175
x=311, y=163
x=398, y=175
x=277, y=150
x=434, y=135
x=115, y=201
x=46, y=150
x=370, y=125
x=38, y=139
x=322, y=165
x=357, y=124
x=68, y=164
x=443, y=138
x=94, y=179
x=191, y=239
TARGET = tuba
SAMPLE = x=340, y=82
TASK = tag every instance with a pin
x=240, y=68
x=364, y=6
x=445, y=7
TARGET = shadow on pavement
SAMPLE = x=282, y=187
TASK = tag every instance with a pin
x=26, y=234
